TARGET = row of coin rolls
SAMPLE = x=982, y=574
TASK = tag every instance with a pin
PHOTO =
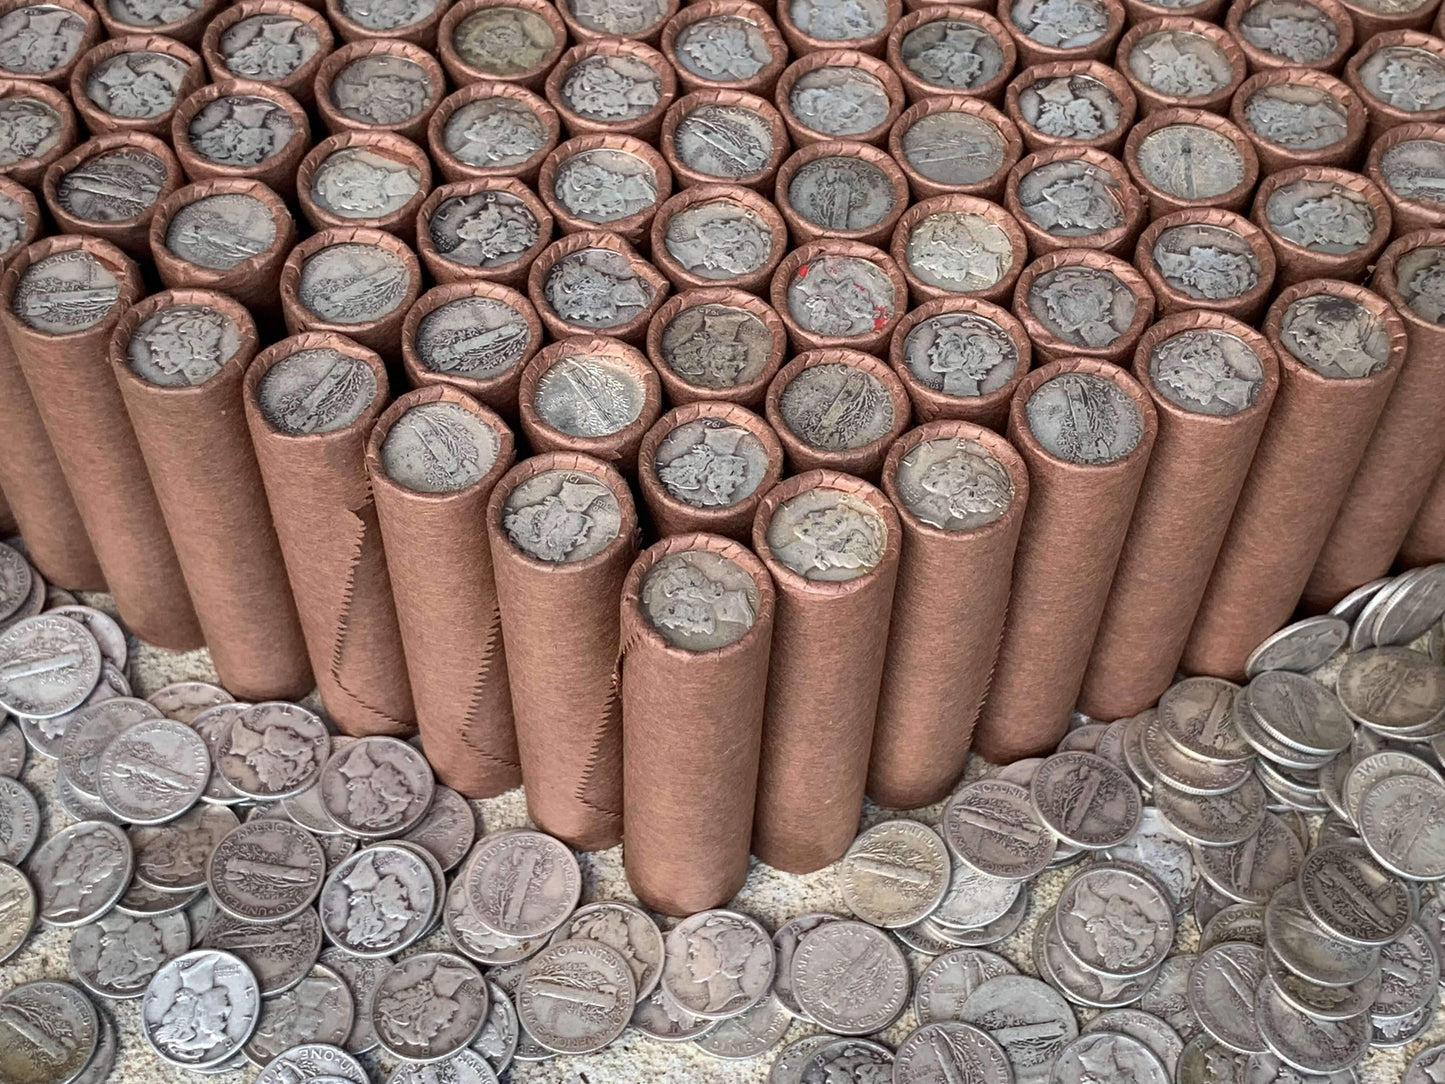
x=1051, y=481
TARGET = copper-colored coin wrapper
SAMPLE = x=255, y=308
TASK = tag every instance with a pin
x=829, y=641
x=100, y=120
x=1201, y=456
x=198, y=451
x=692, y=721
x=76, y=393
x=1317, y=431
x=560, y=624
x=441, y=577
x=1407, y=446
x=131, y=235
x=949, y=604
x=1072, y=534
x=326, y=521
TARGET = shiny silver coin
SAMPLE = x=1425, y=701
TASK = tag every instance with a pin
x=274, y=750
x=1100, y=891
x=1251, y=871
x=1352, y=898
x=954, y=484
x=360, y=974
x=1028, y=1019
x=80, y=872
x=61, y=293
x=1124, y=1053
x=1309, y=1044
x=1426, y=1066
x=316, y=391
x=279, y=954
x=1222, y=987
x=723, y=141
x=982, y=936
x=381, y=899
x=1082, y=739
x=973, y=900
x=522, y=883
x=109, y=636
x=628, y=930
x=221, y=231
x=1168, y=996
x=1215, y=821
x=1392, y=690
x=117, y=955
x=785, y=943
x=1134, y=759
x=850, y=978
x=1294, y=936
x=1161, y=1040
x=1323, y=1002
x=90, y=731
x=48, y=1031
x=602, y=185
x=710, y=463
x=948, y=981
x=659, y=1017
x=896, y=873
x=377, y=787
x=720, y=963
x=1081, y=985
x=1165, y=853
x=475, y=940
x=353, y=283
x=172, y=857
x=430, y=1006
x=1086, y=800
x=1362, y=632
x=748, y=1035
x=841, y=297
x=265, y=871
x=992, y=826
x=318, y=1009
x=948, y=1051
x=382, y=89
x=1300, y=647
x=498, y=1039
x=318, y=1062
x=102, y=1063
x=17, y=910
x=1412, y=607
x=576, y=996
x=1401, y=825
x=1409, y=974
x=47, y=736
x=859, y=1058
x=828, y=534
x=114, y=186
x=48, y=666
x=788, y=1066
x=1396, y=1031
x=561, y=516
x=216, y=980
x=1350, y=607
x=839, y=101
x=153, y=771
x=719, y=239
x=214, y=726
x=463, y=1067
x=19, y=821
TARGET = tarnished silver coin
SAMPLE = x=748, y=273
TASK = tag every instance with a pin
x=144, y=13
x=381, y=89
x=463, y=1067
x=1295, y=31
x=200, y=910
x=836, y=407
x=17, y=579
x=839, y=101
x=722, y=48
x=381, y=899
x=719, y=140
x=386, y=14
x=841, y=297
x=1426, y=1066
x=611, y=89
x=1301, y=646
x=947, y=1051
x=1086, y=306
x=1401, y=824
x=576, y=996
x=953, y=484
x=1392, y=690
x=63, y=293
x=12, y=749
x=267, y=47
x=895, y=873
x=17, y=910
x=522, y=883
x=501, y=1032
x=1222, y=987
x=475, y=940
x=948, y=981
x=29, y=127
x=1086, y=800
x=494, y=132
x=828, y=534
x=38, y=38
x=1206, y=261
x=982, y=936
x=1082, y=985
x=19, y=821
x=1406, y=77
x=1337, y=337
x=829, y=21
x=601, y=185
x=477, y=337
x=358, y=182
x=214, y=727
x=429, y=1006
x=47, y=735
x=1123, y=1054
x=1168, y=996
x=1183, y=771
x=1352, y=898
x=841, y=193
x=1271, y=749
x=80, y=872
x=1207, y=371
x=318, y=1062
x=486, y=229
x=1411, y=169
x=265, y=871
x=749, y=1034
x=184, y=700
x=80, y=807
x=1071, y=198
x=720, y=963
x=1028, y=1019
x=1077, y=107
x=352, y=283
x=1300, y=712
x=719, y=239
x=1106, y=899
x=1166, y=854
x=561, y=516
x=172, y=857
x=958, y=251
x=858, y=1059
x=1418, y=277
x=448, y=829
x=360, y=974
x=1180, y=64
x=318, y=1009
x=48, y=1030
x=596, y=288
x=1294, y=936
x=1309, y=1044
x=221, y=231
x=279, y=954
x=1323, y=1002
x=957, y=54
x=626, y=929
x=788, y=1066
x=589, y=395
x=715, y=346
x=1396, y=1031
x=102, y=1063
x=659, y=1017
x=113, y=186
x=1297, y=116
x=953, y=147
x=710, y=463
x=785, y=943
x=1409, y=974
x=1204, y=1061
x=153, y=771
x=1062, y=25
x=377, y=787
x=274, y=750
x=117, y=955
x=1161, y=1040
x=1190, y=161
x=1251, y=871
x=503, y=41
x=241, y=130
x=200, y=1009
x=1084, y=418
x=850, y=978
x=48, y=665
x=1353, y=605
x=109, y=636
x=316, y=391
x=992, y=826
x=963, y=353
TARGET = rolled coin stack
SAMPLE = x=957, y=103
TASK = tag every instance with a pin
x=680, y=262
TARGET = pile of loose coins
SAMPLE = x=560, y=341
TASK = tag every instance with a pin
x=320, y=908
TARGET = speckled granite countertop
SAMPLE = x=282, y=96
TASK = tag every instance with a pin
x=771, y=896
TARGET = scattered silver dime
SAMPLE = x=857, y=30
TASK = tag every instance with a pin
x=1300, y=712
x=48, y=665
x=597, y=288
x=463, y=1067
x=265, y=871
x=200, y=1009
x=659, y=1017
x=749, y=1034
x=382, y=89
x=1337, y=337
x=785, y=943
x=1401, y=825
x=1324, y=1002
x=1310, y=1044
x=448, y=830
x=317, y=1062
x=1071, y=198
x=360, y=974
x=1301, y=646
x=973, y=900
x=788, y=1066
x=318, y=1009
x=114, y=186
x=1123, y=1054
x=1352, y=898
x=992, y=826
x=1168, y=996
x=172, y=857
x=850, y=978
x=352, y=283
x=1217, y=820
x=494, y=132
x=1086, y=800
x=1251, y=871
x=1097, y=905
x=214, y=726
x=839, y=101
x=48, y=1030
x=47, y=736
x=1409, y=974
x=835, y=406
x=476, y=940
x=954, y=148
x=153, y=771
x=80, y=807
x=19, y=821
x=895, y=873
x=947, y=1051
x=184, y=700
x=1028, y=1019
x=63, y=293
x=1077, y=107
x=377, y=787
x=430, y=1006
x=949, y=979
x=1426, y=1066
x=116, y=955
x=842, y=297
x=959, y=251
x=221, y=231
x=1222, y=987
x=626, y=929
x=828, y=534
x=612, y=89
x=860, y=1059
x=561, y=516
x=274, y=750
x=1080, y=984
x=1166, y=854
x=279, y=954
x=381, y=899
x=1084, y=418
x=17, y=910
x=267, y=47
x=522, y=883
x=80, y=872
x=577, y=996
x=1168, y=763
x=17, y=580
x=498, y=1039
x=1392, y=690
x=487, y=229
x=12, y=749
x=720, y=963
x=1295, y=937
x=241, y=130
x=1162, y=1040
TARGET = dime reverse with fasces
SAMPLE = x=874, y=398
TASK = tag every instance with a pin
x=895, y=873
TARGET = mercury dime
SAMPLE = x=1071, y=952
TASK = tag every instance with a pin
x=1062, y=24
x=1180, y=64
x=380, y=900
x=429, y=1006
x=992, y=827
x=1300, y=712
x=183, y=345
x=1028, y=1019
x=841, y=297
x=1324, y=1002
x=835, y=406
x=947, y=1051
x=604, y=185
x=1190, y=161
x=316, y=1062
x=80, y=872
x=1157, y=1036
x=722, y=141
x=200, y=1009
x=153, y=771
x=561, y=516
x=1166, y=761
x=48, y=1030
x=39, y=38
x=1222, y=989
x=17, y=910
x=748, y=1035
x=839, y=101
x=152, y=12
x=486, y=229
x=377, y=787
x=624, y=928
x=785, y=943
x=720, y=963
x=136, y=85
x=954, y=53
x=172, y=857
x=1426, y=1066
x=495, y=132
x=963, y=354
x=12, y=227
x=973, y=900
x=382, y=89
x=1311, y=1044
x=1115, y=920
x=1086, y=800
x=1365, y=773
x=360, y=976
x=719, y=239
x=1077, y=107
x=659, y=1017
x=611, y=89
x=589, y=395
x=1196, y=714
x=1168, y=996
x=895, y=873
x=722, y=48
x=214, y=726
x=710, y=463
x=1165, y=853
x=274, y=749
x=1122, y=1054
x=1409, y=974
x=267, y=47
x=386, y=14
x=353, y=283
x=1415, y=169
x=1403, y=76
x=828, y=534
x=116, y=955
x=522, y=883
x=241, y=129
x=1251, y=871
x=1206, y=1062
x=318, y=1009
x=951, y=978
x=960, y=252
x=1414, y=606
x=1322, y=216
x=597, y=288
x=577, y=996
x=222, y=231
x=954, y=148
x=503, y=41
x=1083, y=306
x=1420, y=278
x=184, y=700
x=699, y=600
x=788, y=1066
x=1300, y=647
x=1214, y=821
x=1207, y=371
x=1206, y=262
x=448, y=829
x=316, y=391
x=19, y=821
x=476, y=337
x=266, y=871
x=859, y=1060
x=1400, y=821
x=850, y=978
x=80, y=807
x=716, y=346
x=828, y=20
x=1297, y=116
x=953, y=484
x=1295, y=937
x=16, y=582
x=29, y=128
x=48, y=665
x=357, y=182
x=279, y=954
x=1292, y=30
x=1071, y=198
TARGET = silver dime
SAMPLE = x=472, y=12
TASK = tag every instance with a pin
x=561, y=516
x=279, y=954
x=604, y=185
x=48, y=665
x=172, y=857
x=1412, y=169
x=1207, y=371
x=448, y=829
x=495, y=132
x=1413, y=606
x=839, y=101
x=153, y=771
x=152, y=12
x=1084, y=418
x=722, y=141
x=841, y=297
x=38, y=38
x=114, y=186
x=522, y=883
x=836, y=407
x=964, y=354
x=719, y=963
x=183, y=345
x=626, y=929
x=1222, y=987
x=1300, y=647
x=80, y=872
x=710, y=463
x=1206, y=1062
x=47, y=735
x=357, y=182
x=1168, y=996
x=487, y=229
x=611, y=89
x=80, y=807
x=503, y=41
x=221, y=231
x=429, y=1006
x=973, y=900
x=316, y=391
x=948, y=1051
x=1071, y=198
x=991, y=825
x=142, y=901
x=386, y=14
x=265, y=871
x=1122, y=1053
x=589, y=395
x=699, y=600
x=316, y=1062
x=722, y=48
x=102, y=1063
x=1217, y=820
x=1295, y=937
x=1426, y=1066
x=1299, y=712
x=267, y=47
x=1196, y=715
x=577, y=996
x=1063, y=24
x=318, y=1009
x=377, y=787
x=749, y=1034
x=463, y=1067
x=475, y=940
x=1157, y=1036
x=1406, y=77
x=849, y=1059
x=954, y=148
x=788, y=1066
x=841, y=193
x=1310, y=1044
x=1251, y=871
x=184, y=700
x=1267, y=745
x=719, y=239
x=785, y=943
x=830, y=21
x=109, y=636
x=1206, y=262
x=48, y=1030
x=1027, y=1018
x=981, y=936
x=136, y=85
x=360, y=975
x=1323, y=216
x=953, y=484
x=1084, y=306
x=17, y=580
x=497, y=1042
x=241, y=130
x=381, y=899
x=659, y=1017
x=1190, y=161
x=828, y=535
x=1352, y=898
x=17, y=910
x=381, y=89
x=1086, y=800
x=1324, y=1002
x=1165, y=853
x=959, y=251
x=1418, y=278
x=29, y=128
x=958, y=54
x=1392, y=690
x=850, y=978
x=200, y=1009
x=1397, y=1031
x=19, y=821
x=214, y=725
x=1401, y=825
x=352, y=283
x=116, y=955
x=1409, y=973
x=1296, y=116
x=1168, y=763
x=1180, y=64
x=1115, y=920
x=596, y=288
x=274, y=750
x=895, y=873
x=1077, y=107
x=1292, y=30
x=716, y=346
x=948, y=981
x=477, y=337
x=1337, y=337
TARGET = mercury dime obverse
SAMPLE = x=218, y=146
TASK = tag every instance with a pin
x=497, y=1042
x=429, y=1006
x=48, y=665
x=605, y=185
x=183, y=345
x=973, y=900
x=710, y=463
x=360, y=974
x=377, y=787
x=722, y=48
x=722, y=141
x=1207, y=371
x=1115, y=920
x=317, y=1009
x=1420, y=278
x=841, y=297
x=1293, y=30
x=1322, y=216
x=1313, y=1045
x=991, y=825
x=961, y=353
x=596, y=288
x=357, y=182
x=141, y=13
x=589, y=395
x=136, y=85
x=1076, y=107
x=1206, y=262
x=153, y=771
x=241, y=130
x=17, y=910
x=503, y=41
x=659, y=1017
x=1165, y=853
x=699, y=600
x=200, y=1009
x=561, y=516
x=1086, y=800
x=522, y=883
x=1028, y=1018
x=626, y=929
x=39, y=38
x=948, y=981
x=172, y=857
x=895, y=873
x=29, y=128
x=1083, y=306
x=953, y=484
x=1335, y=336
x=353, y=283
x=274, y=749
x=80, y=872
x=221, y=231
x=267, y=47
x=381, y=89
x=958, y=54
x=1406, y=77
x=1180, y=64
x=716, y=346
x=116, y=955
x=831, y=21
x=841, y=193
x=576, y=997
x=380, y=900
x=184, y=700
x=828, y=534
x=836, y=407
x=266, y=871
x=788, y=1066
x=494, y=133
x=279, y=954
x=719, y=239
x=1123, y=1054
x=1071, y=198
x=48, y=1030
x=850, y=977
x=855, y=1059
x=1190, y=161
x=958, y=251
x=214, y=726
x=1297, y=116
x=386, y=14
x=839, y=101
x=486, y=229
x=610, y=89
x=316, y=391
x=115, y=186
x=954, y=148
x=475, y=337
x=719, y=963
